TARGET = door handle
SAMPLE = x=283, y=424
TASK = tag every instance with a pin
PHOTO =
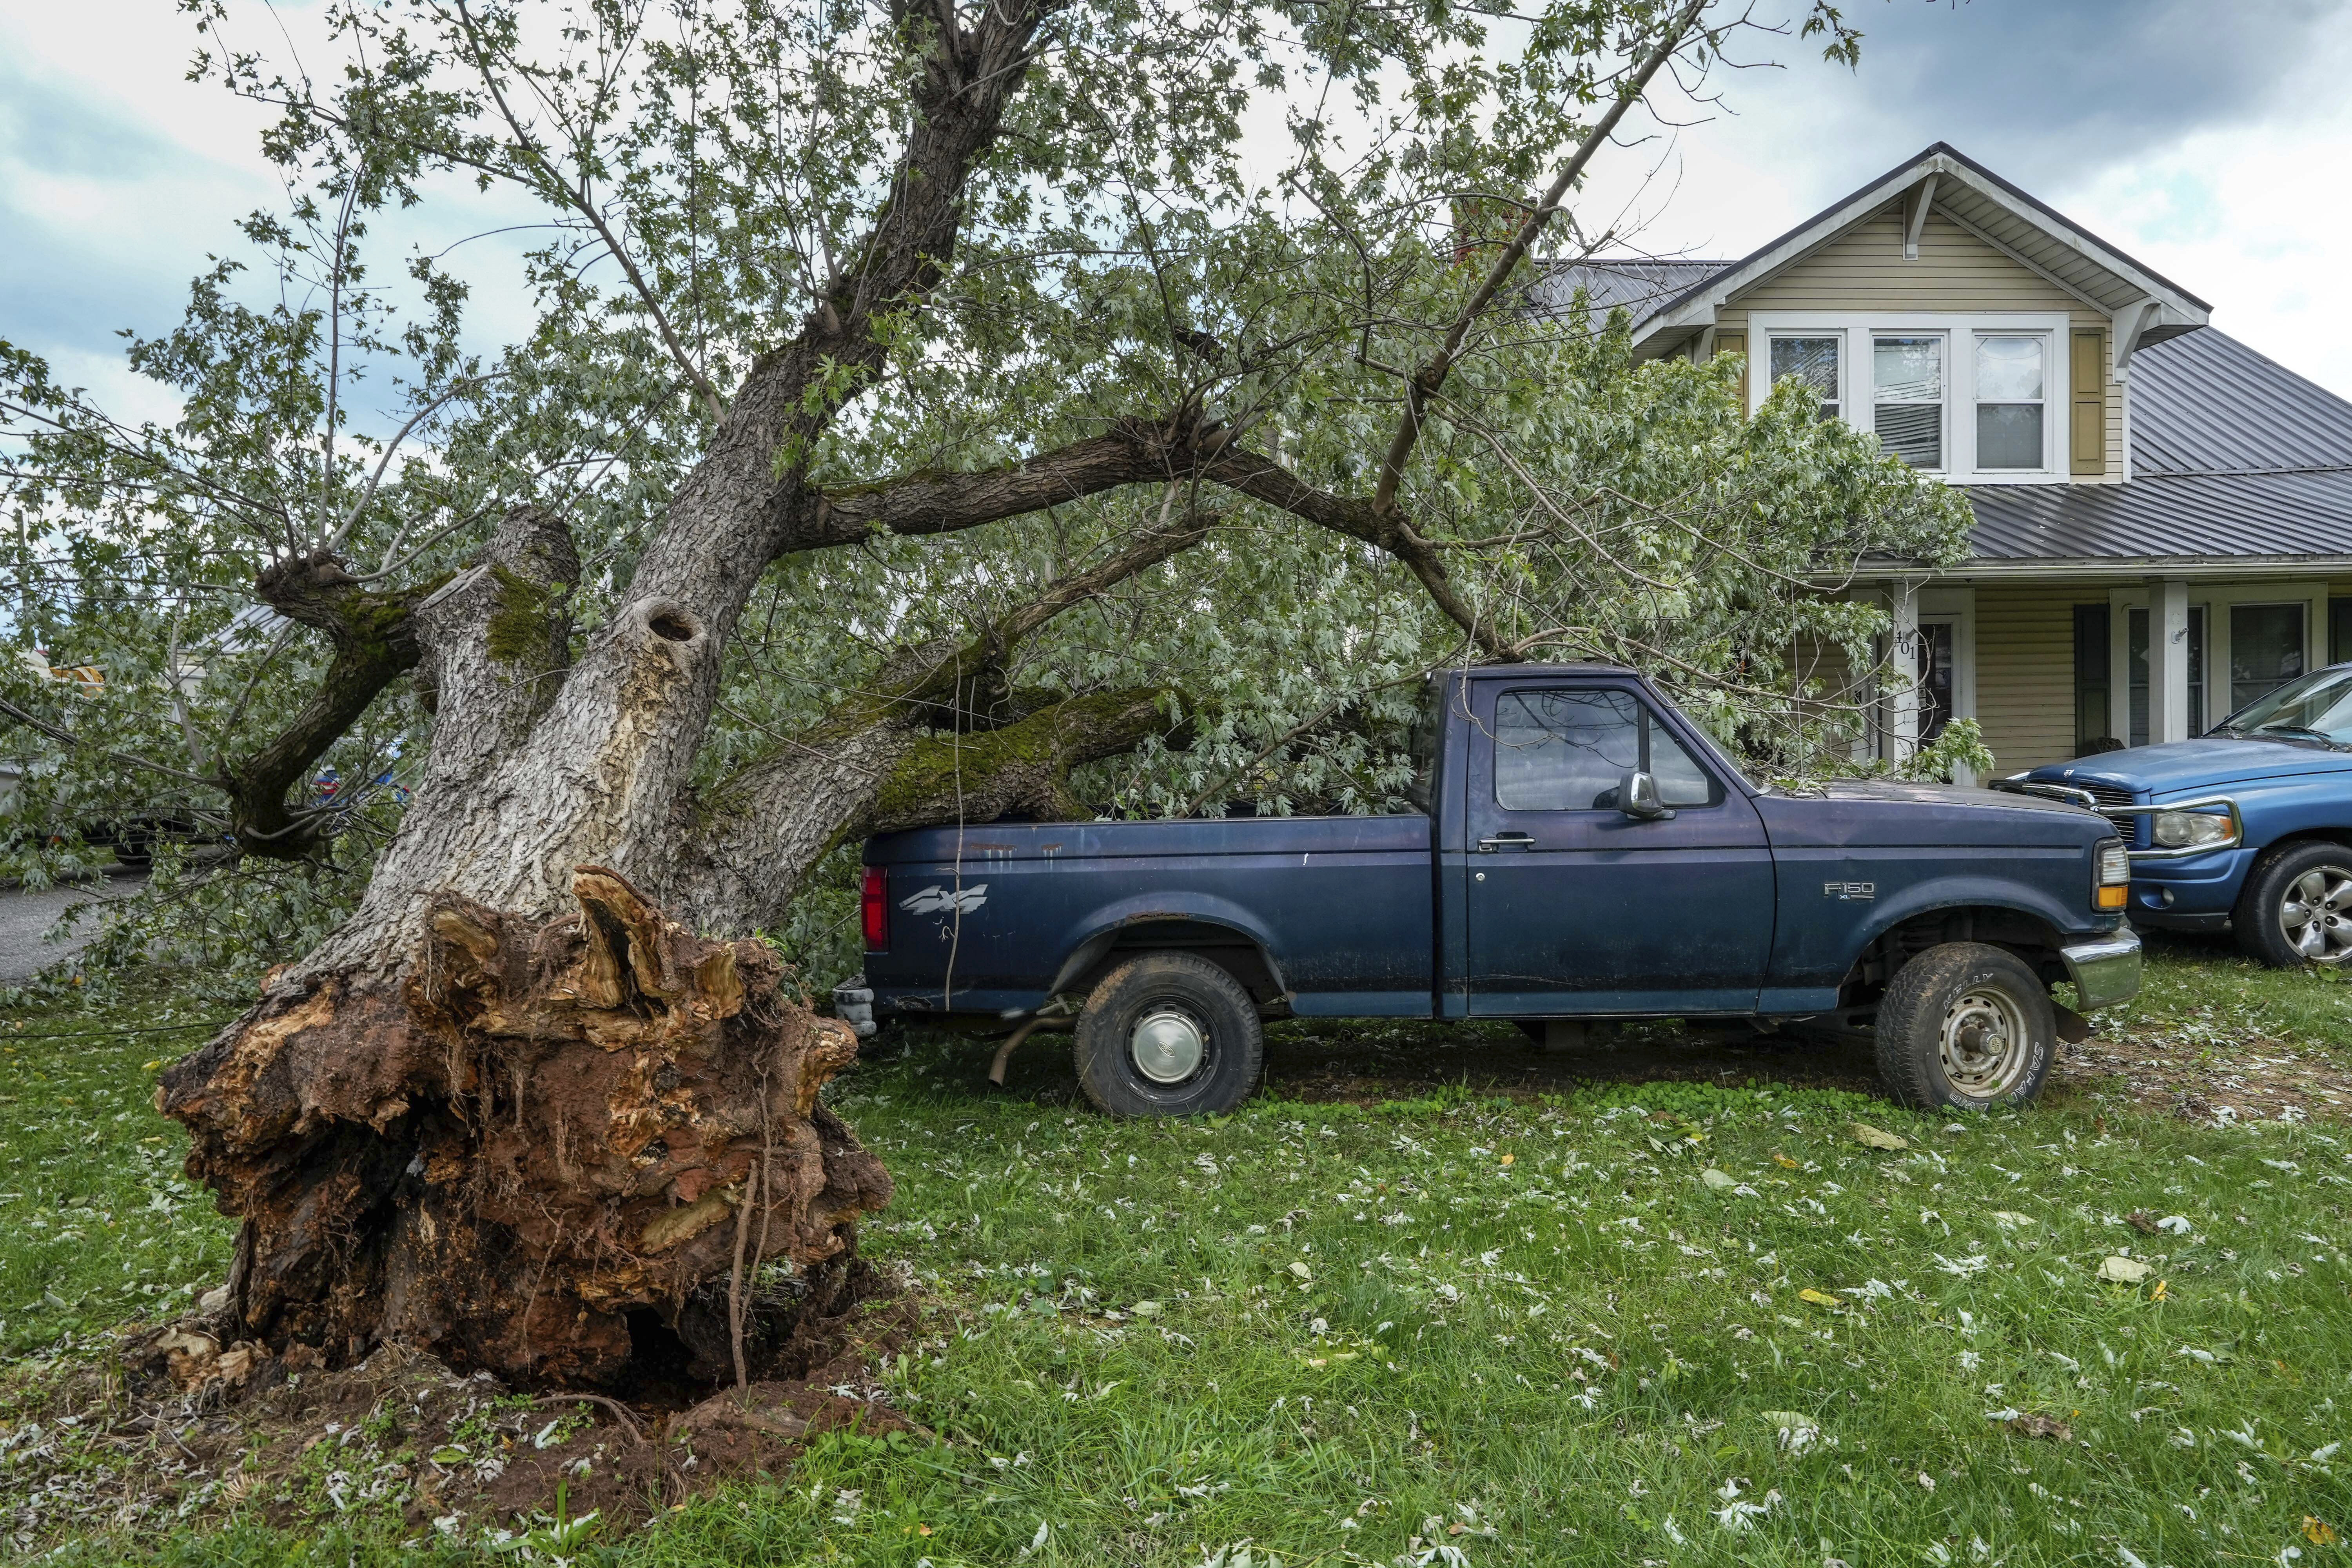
x=1507, y=841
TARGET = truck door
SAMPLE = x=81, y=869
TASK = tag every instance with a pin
x=1572, y=906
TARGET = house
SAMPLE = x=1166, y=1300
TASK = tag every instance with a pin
x=2163, y=516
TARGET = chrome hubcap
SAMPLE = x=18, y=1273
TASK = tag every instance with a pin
x=2317, y=914
x=1984, y=1044
x=1168, y=1046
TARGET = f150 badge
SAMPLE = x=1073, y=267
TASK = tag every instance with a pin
x=1859, y=892
x=936, y=899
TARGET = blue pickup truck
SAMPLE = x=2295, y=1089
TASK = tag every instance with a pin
x=1583, y=853
x=2247, y=828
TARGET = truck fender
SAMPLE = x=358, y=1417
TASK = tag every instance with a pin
x=1952, y=893
x=1098, y=933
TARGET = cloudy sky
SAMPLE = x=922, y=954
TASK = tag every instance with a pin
x=2206, y=137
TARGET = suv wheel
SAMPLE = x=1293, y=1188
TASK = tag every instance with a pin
x=1967, y=1026
x=2297, y=909
x=1169, y=1035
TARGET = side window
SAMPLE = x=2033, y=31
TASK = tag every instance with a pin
x=1566, y=750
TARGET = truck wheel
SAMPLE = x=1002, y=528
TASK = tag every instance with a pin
x=1169, y=1035
x=2296, y=911
x=1967, y=1026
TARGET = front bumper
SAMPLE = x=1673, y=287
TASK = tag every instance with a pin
x=2104, y=971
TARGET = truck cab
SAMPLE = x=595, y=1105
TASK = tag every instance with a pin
x=1582, y=852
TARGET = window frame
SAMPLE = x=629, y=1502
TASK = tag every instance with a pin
x=2217, y=597
x=1977, y=405
x=1959, y=329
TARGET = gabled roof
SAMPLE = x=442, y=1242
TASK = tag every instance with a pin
x=2233, y=456
x=1956, y=186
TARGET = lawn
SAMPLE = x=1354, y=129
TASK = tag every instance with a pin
x=1416, y=1318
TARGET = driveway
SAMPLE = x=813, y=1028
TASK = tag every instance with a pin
x=25, y=916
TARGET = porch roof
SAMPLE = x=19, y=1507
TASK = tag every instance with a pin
x=2233, y=458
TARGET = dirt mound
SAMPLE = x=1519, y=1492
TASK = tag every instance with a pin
x=184, y=1429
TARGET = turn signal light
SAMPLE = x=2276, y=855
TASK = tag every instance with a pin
x=876, y=903
x=2112, y=885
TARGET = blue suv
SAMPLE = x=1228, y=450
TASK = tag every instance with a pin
x=2247, y=828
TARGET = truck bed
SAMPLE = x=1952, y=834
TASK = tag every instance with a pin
x=1347, y=927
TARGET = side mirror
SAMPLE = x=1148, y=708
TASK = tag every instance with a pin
x=1637, y=798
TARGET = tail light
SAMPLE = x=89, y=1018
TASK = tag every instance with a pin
x=2112, y=886
x=875, y=898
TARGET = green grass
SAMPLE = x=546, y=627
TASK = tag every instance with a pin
x=2200, y=988
x=97, y=1225
x=1314, y=1329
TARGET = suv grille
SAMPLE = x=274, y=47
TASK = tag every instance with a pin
x=2106, y=795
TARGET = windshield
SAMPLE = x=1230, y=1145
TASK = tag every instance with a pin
x=2316, y=708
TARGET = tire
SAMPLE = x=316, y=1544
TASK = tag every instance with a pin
x=1933, y=1026
x=1169, y=1035
x=2297, y=909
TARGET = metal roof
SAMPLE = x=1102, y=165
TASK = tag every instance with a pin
x=2233, y=456
x=1643, y=288
x=2205, y=403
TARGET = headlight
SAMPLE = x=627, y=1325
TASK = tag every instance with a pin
x=2190, y=830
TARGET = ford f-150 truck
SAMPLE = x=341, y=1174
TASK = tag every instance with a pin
x=1583, y=853
x=2247, y=828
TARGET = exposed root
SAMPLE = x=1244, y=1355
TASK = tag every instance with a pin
x=523, y=1153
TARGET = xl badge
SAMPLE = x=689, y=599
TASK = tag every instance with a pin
x=938, y=900
x=1860, y=892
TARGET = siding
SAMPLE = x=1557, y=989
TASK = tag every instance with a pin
x=1864, y=270
x=2025, y=669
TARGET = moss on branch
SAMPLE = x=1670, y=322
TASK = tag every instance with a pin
x=1022, y=769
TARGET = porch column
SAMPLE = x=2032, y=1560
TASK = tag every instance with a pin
x=2169, y=718
x=1902, y=706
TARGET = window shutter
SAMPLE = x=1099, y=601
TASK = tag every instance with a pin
x=2090, y=398
x=1734, y=344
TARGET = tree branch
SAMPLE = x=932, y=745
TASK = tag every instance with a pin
x=1430, y=377
x=374, y=643
x=577, y=198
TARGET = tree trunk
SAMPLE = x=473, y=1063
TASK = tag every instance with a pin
x=509, y=1112
x=546, y=1146
x=524, y=1137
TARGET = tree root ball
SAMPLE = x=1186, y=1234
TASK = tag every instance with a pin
x=556, y=1151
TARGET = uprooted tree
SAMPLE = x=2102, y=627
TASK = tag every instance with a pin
x=978, y=348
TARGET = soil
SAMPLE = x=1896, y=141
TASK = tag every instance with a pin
x=402, y=1439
